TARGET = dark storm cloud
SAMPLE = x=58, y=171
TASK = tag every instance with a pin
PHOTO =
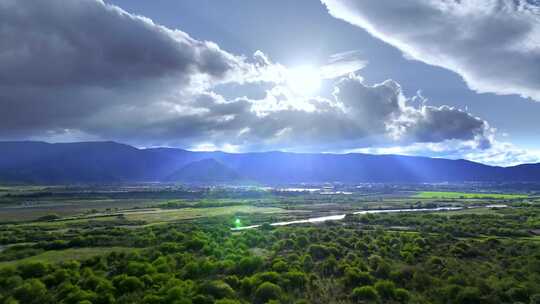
x=493, y=44
x=435, y=124
x=382, y=109
x=64, y=61
x=59, y=43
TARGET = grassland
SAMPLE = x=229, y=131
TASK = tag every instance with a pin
x=464, y=195
x=57, y=256
x=164, y=215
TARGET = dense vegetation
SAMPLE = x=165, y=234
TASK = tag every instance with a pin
x=360, y=260
x=504, y=222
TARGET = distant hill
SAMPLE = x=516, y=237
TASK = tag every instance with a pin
x=105, y=162
x=205, y=171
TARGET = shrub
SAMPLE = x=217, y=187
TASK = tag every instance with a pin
x=269, y=276
x=355, y=277
x=267, y=291
x=365, y=293
x=217, y=289
x=402, y=295
x=127, y=284
x=249, y=265
x=385, y=289
x=32, y=291
x=318, y=252
x=280, y=266
x=295, y=279
x=469, y=295
x=32, y=269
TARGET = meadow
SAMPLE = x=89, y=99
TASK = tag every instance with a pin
x=463, y=195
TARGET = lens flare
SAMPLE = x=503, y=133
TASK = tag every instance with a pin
x=304, y=80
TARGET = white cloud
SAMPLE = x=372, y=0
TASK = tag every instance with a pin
x=124, y=78
x=342, y=64
x=493, y=44
x=503, y=154
x=498, y=154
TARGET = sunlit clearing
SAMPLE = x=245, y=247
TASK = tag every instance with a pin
x=304, y=80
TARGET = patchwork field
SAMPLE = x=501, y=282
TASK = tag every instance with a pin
x=463, y=195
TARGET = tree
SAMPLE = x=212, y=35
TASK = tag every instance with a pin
x=217, y=289
x=402, y=295
x=267, y=291
x=385, y=289
x=77, y=295
x=32, y=269
x=295, y=279
x=318, y=252
x=355, y=277
x=280, y=266
x=307, y=263
x=127, y=284
x=468, y=295
x=177, y=295
x=32, y=291
x=365, y=294
x=249, y=265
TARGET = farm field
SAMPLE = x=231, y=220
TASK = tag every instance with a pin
x=463, y=195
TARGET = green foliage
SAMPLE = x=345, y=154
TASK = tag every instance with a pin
x=456, y=195
x=249, y=265
x=367, y=294
x=127, y=284
x=217, y=289
x=468, y=295
x=206, y=262
x=32, y=291
x=267, y=291
x=354, y=277
x=385, y=289
x=32, y=269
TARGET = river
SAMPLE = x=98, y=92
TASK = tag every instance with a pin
x=339, y=217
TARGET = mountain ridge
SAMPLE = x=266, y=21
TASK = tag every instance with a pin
x=101, y=162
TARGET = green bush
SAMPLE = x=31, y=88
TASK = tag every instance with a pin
x=365, y=293
x=267, y=291
x=127, y=284
x=385, y=289
x=217, y=289
x=32, y=291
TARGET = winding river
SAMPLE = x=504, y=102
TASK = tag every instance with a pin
x=339, y=217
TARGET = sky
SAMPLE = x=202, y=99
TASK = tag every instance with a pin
x=438, y=78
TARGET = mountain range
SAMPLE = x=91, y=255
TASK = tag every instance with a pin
x=105, y=162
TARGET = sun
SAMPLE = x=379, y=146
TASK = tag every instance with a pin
x=304, y=80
